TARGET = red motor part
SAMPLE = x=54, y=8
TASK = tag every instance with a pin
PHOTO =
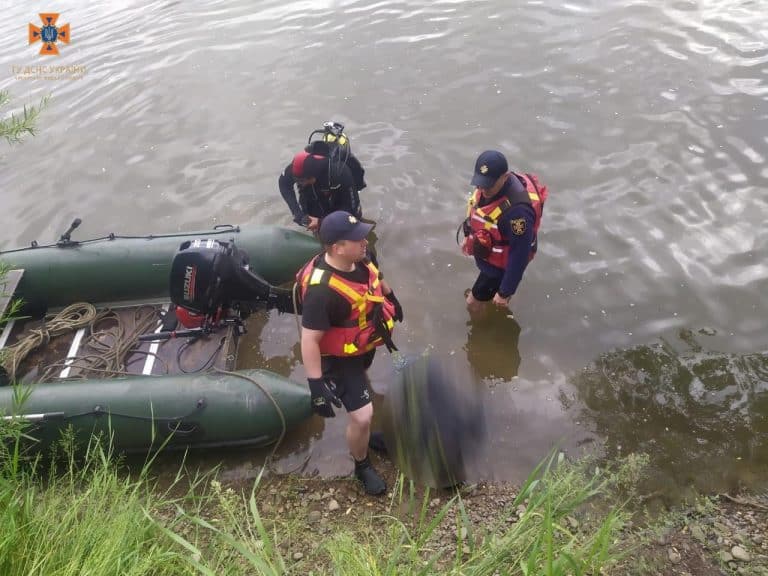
x=191, y=319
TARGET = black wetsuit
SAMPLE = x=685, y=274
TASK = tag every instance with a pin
x=334, y=190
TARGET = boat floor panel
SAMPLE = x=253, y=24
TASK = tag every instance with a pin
x=107, y=338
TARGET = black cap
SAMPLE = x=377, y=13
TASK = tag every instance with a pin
x=342, y=225
x=490, y=165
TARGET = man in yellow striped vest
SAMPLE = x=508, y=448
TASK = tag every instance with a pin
x=348, y=310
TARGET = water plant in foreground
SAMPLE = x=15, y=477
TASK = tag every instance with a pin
x=15, y=126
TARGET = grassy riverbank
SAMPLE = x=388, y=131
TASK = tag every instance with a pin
x=89, y=515
x=86, y=516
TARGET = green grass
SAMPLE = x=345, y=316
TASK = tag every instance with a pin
x=86, y=515
x=77, y=517
x=235, y=541
x=545, y=539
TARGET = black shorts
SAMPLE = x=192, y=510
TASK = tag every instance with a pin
x=485, y=287
x=351, y=378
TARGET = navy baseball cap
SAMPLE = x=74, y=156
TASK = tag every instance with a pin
x=342, y=225
x=490, y=165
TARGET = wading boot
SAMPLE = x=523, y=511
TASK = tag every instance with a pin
x=372, y=482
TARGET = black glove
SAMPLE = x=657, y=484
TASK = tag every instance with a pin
x=301, y=220
x=322, y=394
x=398, y=307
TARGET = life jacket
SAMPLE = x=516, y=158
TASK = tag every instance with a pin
x=370, y=310
x=482, y=221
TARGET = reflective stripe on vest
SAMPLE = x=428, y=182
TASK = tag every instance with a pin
x=487, y=218
x=357, y=335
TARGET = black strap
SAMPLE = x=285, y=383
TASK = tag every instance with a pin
x=381, y=330
x=169, y=320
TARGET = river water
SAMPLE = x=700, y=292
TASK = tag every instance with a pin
x=641, y=323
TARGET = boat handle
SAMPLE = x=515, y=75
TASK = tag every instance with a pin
x=182, y=428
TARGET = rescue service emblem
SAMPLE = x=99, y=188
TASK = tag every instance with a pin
x=484, y=169
x=50, y=34
x=518, y=226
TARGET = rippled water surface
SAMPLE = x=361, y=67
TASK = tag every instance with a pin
x=647, y=120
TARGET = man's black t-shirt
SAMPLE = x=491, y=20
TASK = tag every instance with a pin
x=322, y=306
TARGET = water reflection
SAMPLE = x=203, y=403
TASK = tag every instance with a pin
x=492, y=344
x=269, y=348
x=702, y=415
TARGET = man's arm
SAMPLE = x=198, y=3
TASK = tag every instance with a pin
x=310, y=352
x=517, y=226
x=389, y=294
x=286, y=185
x=315, y=321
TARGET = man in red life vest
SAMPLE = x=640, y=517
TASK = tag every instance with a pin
x=347, y=311
x=503, y=217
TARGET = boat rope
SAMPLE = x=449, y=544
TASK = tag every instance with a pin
x=73, y=317
x=207, y=364
x=218, y=230
x=268, y=462
x=107, y=413
x=295, y=298
x=109, y=346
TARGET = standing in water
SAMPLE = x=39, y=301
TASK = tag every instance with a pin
x=347, y=311
x=500, y=231
x=327, y=177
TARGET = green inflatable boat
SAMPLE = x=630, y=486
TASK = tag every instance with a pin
x=116, y=268
x=105, y=372
x=210, y=409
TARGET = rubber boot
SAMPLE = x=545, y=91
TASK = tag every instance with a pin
x=372, y=482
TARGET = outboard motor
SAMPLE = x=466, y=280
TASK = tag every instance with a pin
x=209, y=277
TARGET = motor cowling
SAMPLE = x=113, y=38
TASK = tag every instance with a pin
x=208, y=276
x=200, y=274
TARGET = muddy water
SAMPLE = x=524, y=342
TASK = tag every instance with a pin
x=647, y=120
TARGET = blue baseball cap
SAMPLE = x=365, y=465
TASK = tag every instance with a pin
x=489, y=166
x=342, y=225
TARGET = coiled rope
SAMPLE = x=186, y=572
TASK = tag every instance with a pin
x=73, y=317
x=111, y=345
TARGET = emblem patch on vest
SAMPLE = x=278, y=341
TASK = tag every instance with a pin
x=518, y=226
